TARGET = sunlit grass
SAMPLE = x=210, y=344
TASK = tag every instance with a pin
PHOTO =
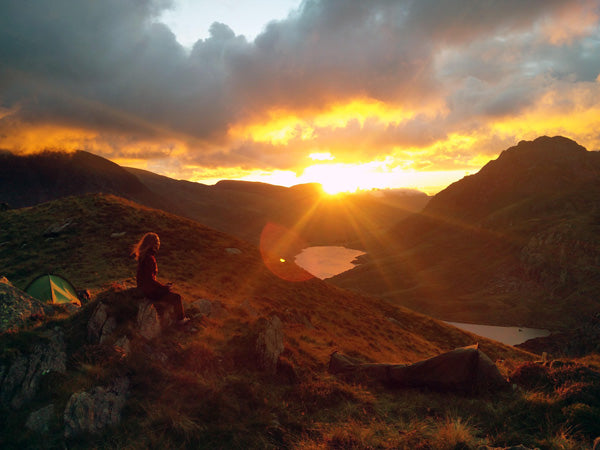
x=198, y=388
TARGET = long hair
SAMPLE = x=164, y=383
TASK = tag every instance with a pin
x=147, y=242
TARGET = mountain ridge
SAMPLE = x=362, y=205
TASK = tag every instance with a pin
x=514, y=244
x=236, y=207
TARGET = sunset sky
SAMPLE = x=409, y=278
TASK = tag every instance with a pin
x=350, y=93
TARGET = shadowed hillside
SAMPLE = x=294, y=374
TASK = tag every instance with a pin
x=200, y=387
x=243, y=208
x=235, y=207
x=37, y=178
x=515, y=244
x=94, y=252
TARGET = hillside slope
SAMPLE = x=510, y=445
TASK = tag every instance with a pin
x=198, y=387
x=243, y=208
x=95, y=252
x=515, y=244
x=235, y=207
x=37, y=178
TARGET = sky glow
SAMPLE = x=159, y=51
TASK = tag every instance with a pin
x=351, y=94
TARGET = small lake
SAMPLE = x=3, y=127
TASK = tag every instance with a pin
x=327, y=261
x=506, y=335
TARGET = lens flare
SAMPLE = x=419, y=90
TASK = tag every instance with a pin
x=278, y=246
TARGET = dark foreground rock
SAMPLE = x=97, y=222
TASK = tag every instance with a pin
x=465, y=369
x=91, y=412
x=20, y=375
x=16, y=307
x=40, y=419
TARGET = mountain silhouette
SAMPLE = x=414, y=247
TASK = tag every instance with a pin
x=37, y=178
x=515, y=244
x=240, y=208
x=540, y=169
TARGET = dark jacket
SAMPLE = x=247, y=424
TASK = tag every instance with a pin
x=146, y=278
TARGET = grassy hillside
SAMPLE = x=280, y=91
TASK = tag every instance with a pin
x=196, y=260
x=195, y=388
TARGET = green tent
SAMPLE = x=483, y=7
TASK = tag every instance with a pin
x=53, y=289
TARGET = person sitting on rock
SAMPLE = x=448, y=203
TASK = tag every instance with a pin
x=145, y=254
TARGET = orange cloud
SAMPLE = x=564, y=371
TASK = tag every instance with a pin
x=576, y=20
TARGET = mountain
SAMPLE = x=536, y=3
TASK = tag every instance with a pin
x=236, y=207
x=37, y=178
x=243, y=208
x=200, y=386
x=515, y=244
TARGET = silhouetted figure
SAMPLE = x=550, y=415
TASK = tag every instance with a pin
x=145, y=254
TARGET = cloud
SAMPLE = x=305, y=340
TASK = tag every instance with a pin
x=105, y=76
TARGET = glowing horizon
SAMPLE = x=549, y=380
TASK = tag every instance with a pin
x=351, y=95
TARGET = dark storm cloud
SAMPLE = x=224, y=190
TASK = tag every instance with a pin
x=108, y=66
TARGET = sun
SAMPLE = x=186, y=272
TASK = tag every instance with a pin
x=337, y=178
x=334, y=186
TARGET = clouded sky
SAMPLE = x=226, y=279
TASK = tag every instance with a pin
x=418, y=92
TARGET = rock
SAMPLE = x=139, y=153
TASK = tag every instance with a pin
x=167, y=316
x=72, y=308
x=269, y=343
x=39, y=420
x=20, y=377
x=101, y=325
x=91, y=412
x=147, y=321
x=16, y=307
x=203, y=306
x=233, y=251
x=58, y=228
x=124, y=344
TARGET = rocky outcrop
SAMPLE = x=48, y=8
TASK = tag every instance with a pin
x=269, y=343
x=21, y=376
x=140, y=317
x=101, y=325
x=39, y=420
x=147, y=321
x=203, y=306
x=91, y=412
x=16, y=307
x=214, y=309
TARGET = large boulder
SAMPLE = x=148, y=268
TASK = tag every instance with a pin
x=465, y=369
x=128, y=312
x=91, y=412
x=20, y=376
x=16, y=307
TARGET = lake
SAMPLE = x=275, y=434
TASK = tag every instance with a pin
x=327, y=261
x=506, y=335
